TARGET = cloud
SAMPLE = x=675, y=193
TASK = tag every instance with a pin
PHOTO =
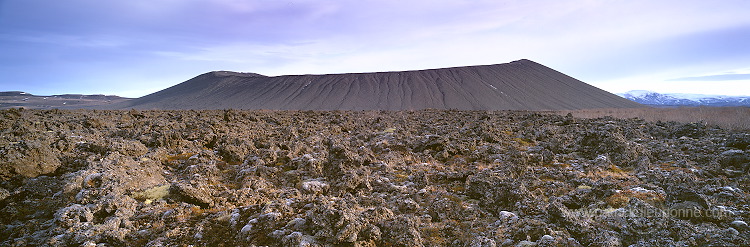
x=593, y=40
x=65, y=40
x=722, y=77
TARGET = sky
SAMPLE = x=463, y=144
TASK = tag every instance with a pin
x=136, y=47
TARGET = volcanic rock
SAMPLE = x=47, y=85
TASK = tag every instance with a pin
x=367, y=178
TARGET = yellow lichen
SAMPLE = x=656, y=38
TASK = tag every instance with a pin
x=584, y=187
x=152, y=194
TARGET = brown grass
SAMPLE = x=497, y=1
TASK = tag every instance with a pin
x=611, y=172
x=732, y=118
x=181, y=156
x=621, y=198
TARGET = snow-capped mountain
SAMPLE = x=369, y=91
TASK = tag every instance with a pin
x=681, y=99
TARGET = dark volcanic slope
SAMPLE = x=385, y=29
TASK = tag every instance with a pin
x=519, y=85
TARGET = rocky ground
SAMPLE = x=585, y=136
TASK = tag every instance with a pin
x=409, y=178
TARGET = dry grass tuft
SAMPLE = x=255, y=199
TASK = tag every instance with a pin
x=733, y=118
x=181, y=156
x=610, y=172
x=621, y=198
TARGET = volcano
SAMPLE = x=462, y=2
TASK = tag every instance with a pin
x=518, y=85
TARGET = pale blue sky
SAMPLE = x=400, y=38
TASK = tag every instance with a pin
x=136, y=47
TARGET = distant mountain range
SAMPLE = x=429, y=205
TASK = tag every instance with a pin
x=15, y=99
x=680, y=99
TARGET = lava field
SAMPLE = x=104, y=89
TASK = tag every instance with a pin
x=367, y=178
